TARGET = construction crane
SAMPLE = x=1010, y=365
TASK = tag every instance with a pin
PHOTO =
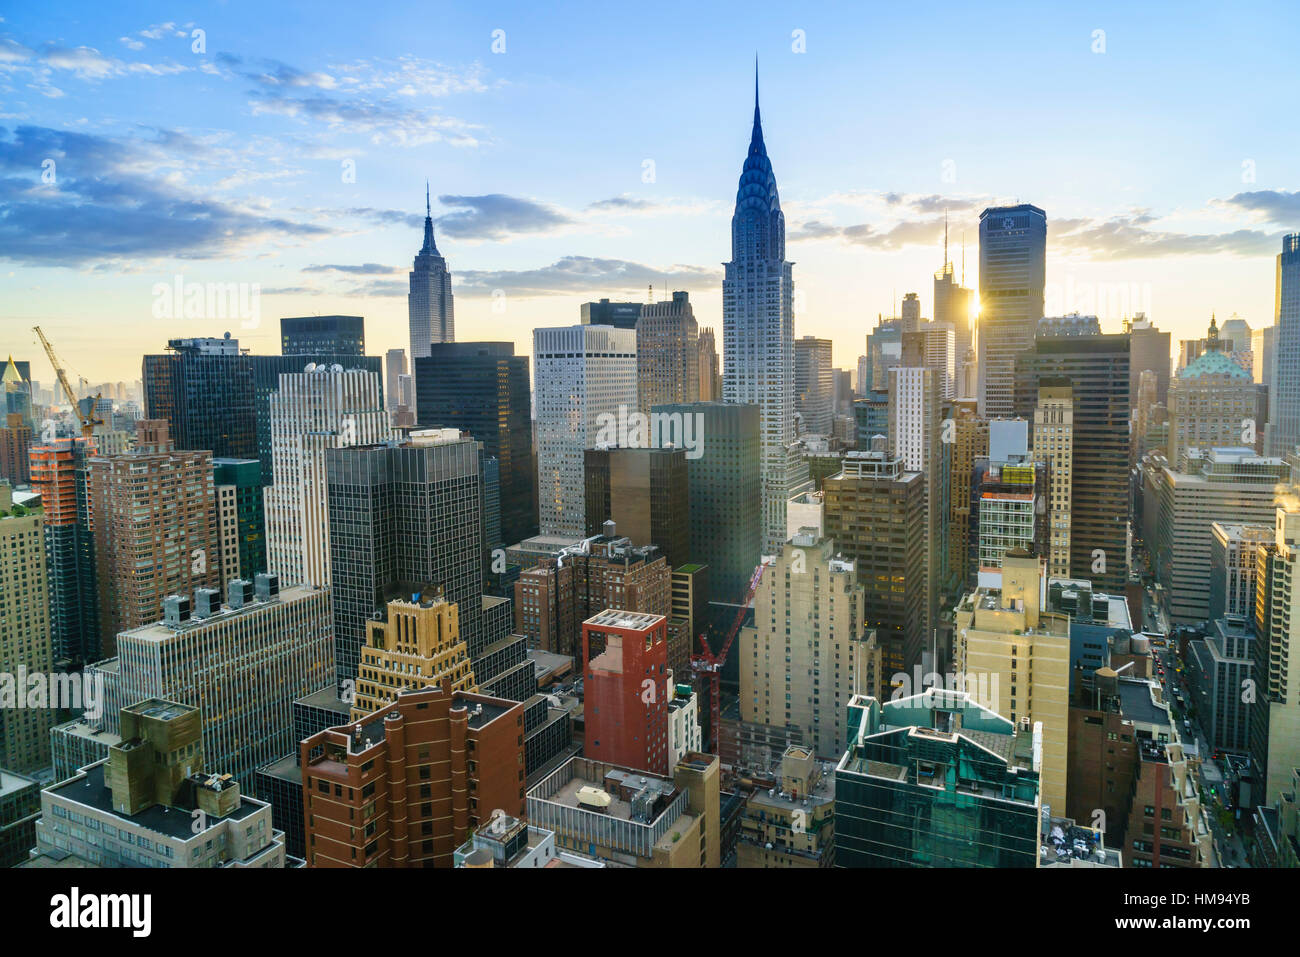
x=706, y=665
x=88, y=420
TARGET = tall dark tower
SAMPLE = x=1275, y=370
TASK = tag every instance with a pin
x=429, y=304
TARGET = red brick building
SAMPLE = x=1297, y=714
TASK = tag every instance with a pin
x=404, y=786
x=625, y=702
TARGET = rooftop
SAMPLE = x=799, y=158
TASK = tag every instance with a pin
x=617, y=618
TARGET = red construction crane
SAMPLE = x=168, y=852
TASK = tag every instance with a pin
x=707, y=665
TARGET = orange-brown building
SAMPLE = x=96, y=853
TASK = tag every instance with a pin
x=404, y=786
x=15, y=440
x=625, y=669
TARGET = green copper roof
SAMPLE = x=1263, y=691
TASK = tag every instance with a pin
x=1213, y=363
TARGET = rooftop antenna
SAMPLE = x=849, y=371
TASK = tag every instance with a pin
x=945, y=239
x=428, y=209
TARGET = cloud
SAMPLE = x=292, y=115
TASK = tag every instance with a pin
x=364, y=269
x=498, y=216
x=623, y=202
x=1275, y=206
x=105, y=207
x=582, y=275
x=1130, y=237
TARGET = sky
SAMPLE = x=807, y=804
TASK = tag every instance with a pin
x=591, y=150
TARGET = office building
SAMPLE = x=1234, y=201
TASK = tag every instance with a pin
x=314, y=410
x=20, y=809
x=645, y=492
x=724, y=483
x=970, y=442
x=620, y=315
x=430, y=307
x=1211, y=485
x=953, y=306
x=1148, y=352
x=59, y=474
x=406, y=785
x=626, y=818
x=1054, y=446
x=1275, y=717
x=241, y=519
x=1212, y=402
x=789, y=819
x=931, y=347
x=510, y=842
x=155, y=526
x=152, y=804
x=814, y=385
x=875, y=515
x=394, y=368
x=808, y=651
x=323, y=335
x=404, y=518
x=1261, y=353
x=1284, y=383
x=915, y=423
x=1220, y=667
x=26, y=645
x=667, y=353
x=15, y=445
x=1234, y=553
x=418, y=645
x=244, y=663
x=1013, y=265
x=482, y=389
x=586, y=386
x=1025, y=653
x=758, y=331
x=935, y=780
x=204, y=389
x=1096, y=365
x=710, y=371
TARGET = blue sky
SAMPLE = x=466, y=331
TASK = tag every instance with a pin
x=1166, y=161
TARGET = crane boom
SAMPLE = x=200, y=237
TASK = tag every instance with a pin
x=88, y=421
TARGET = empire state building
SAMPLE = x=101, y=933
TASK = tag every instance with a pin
x=429, y=304
x=758, y=332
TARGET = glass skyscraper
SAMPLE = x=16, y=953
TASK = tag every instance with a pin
x=1013, y=267
x=1284, y=384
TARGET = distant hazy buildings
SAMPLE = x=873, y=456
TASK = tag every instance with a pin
x=1213, y=402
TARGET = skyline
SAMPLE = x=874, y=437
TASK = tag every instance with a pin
x=539, y=183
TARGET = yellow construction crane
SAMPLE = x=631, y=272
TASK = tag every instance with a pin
x=88, y=420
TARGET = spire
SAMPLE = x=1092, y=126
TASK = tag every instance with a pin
x=756, y=140
x=945, y=238
x=429, y=247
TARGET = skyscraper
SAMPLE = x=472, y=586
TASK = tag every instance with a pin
x=1148, y=350
x=429, y=303
x=482, y=388
x=814, y=384
x=204, y=389
x=1275, y=717
x=404, y=519
x=394, y=368
x=1054, y=445
x=710, y=376
x=585, y=376
x=312, y=335
x=952, y=304
x=758, y=330
x=59, y=470
x=1013, y=264
x=646, y=493
x=1213, y=401
x=1284, y=382
x=667, y=353
x=312, y=411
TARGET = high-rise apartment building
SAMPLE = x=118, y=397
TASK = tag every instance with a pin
x=406, y=785
x=242, y=663
x=935, y=779
x=154, y=515
x=314, y=410
x=808, y=651
x=1025, y=653
x=586, y=385
x=875, y=514
x=59, y=470
x=1097, y=367
x=482, y=388
x=204, y=389
x=625, y=703
x=15, y=444
x=646, y=493
x=667, y=353
x=323, y=335
x=814, y=384
x=758, y=331
x=430, y=307
x=403, y=519
x=1013, y=267
x=26, y=647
